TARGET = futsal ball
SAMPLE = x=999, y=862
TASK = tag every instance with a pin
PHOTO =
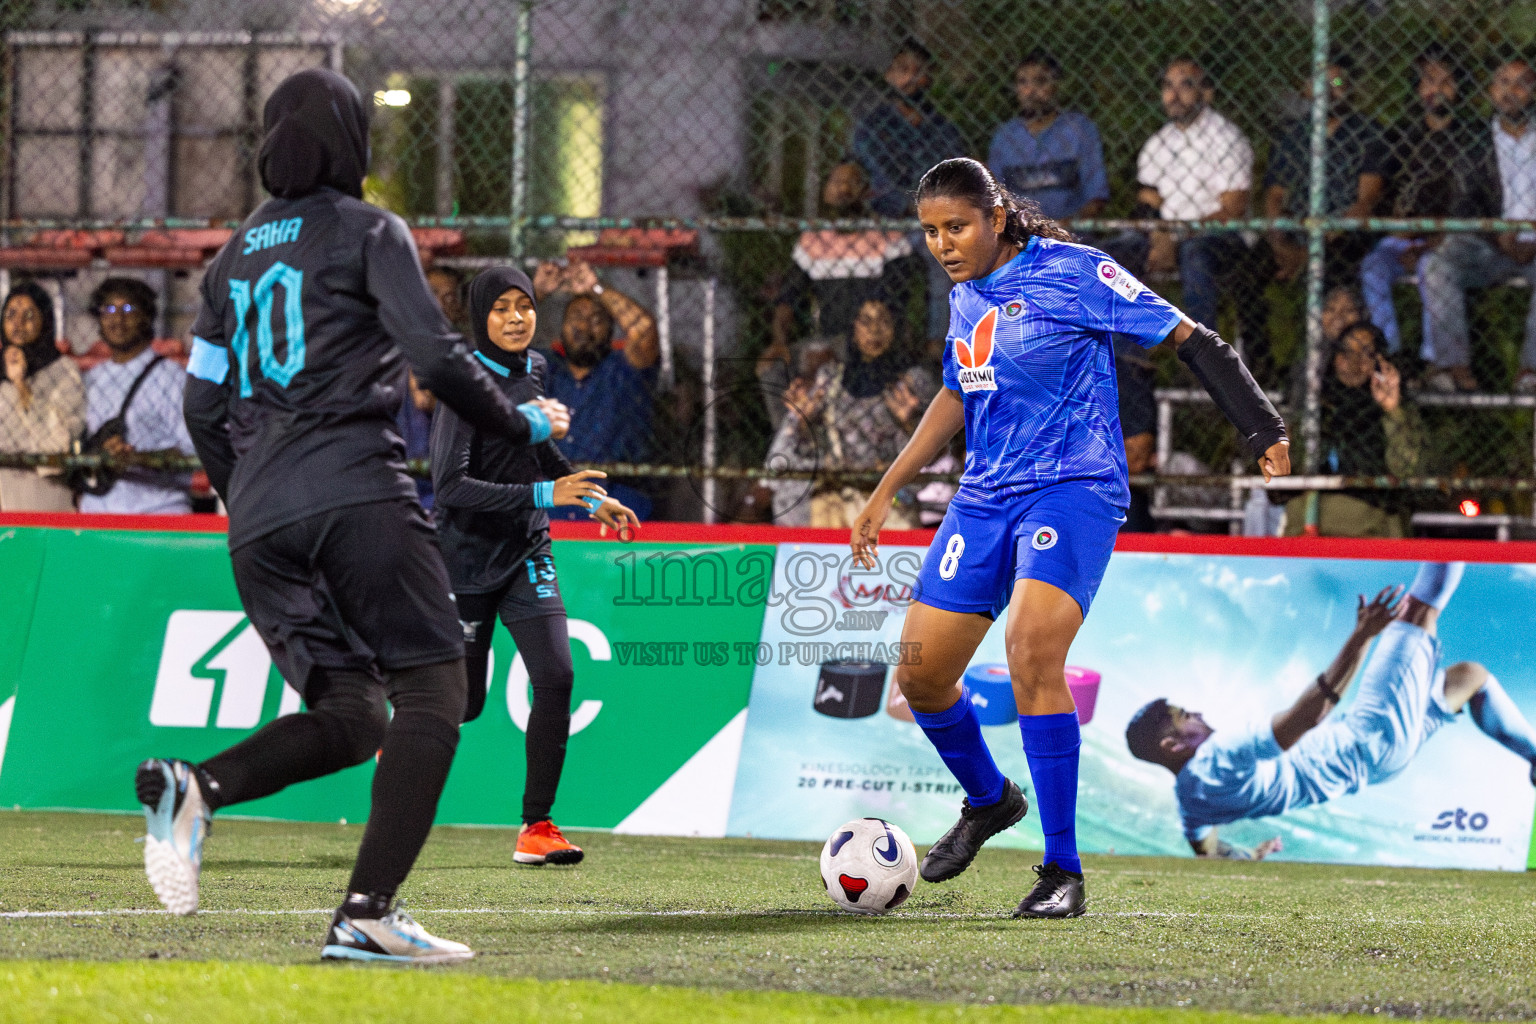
x=869, y=866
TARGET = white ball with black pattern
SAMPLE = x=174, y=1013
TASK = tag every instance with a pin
x=869, y=866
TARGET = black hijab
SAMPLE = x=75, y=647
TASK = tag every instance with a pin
x=316, y=136
x=43, y=351
x=488, y=286
x=1354, y=438
x=865, y=378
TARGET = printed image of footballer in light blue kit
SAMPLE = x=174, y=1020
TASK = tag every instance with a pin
x=1029, y=374
x=1305, y=755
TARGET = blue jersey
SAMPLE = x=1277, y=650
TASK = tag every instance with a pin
x=1030, y=349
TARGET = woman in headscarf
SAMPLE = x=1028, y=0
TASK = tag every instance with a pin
x=855, y=415
x=42, y=402
x=1367, y=430
x=310, y=314
x=494, y=532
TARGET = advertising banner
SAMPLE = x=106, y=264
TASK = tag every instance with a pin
x=21, y=564
x=137, y=647
x=1237, y=639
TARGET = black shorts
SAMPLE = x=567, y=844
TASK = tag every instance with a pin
x=361, y=587
x=531, y=592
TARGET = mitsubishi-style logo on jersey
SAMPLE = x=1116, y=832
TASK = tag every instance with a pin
x=975, y=356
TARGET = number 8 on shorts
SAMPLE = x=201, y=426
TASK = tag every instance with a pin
x=950, y=563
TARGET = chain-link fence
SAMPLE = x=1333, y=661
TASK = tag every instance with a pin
x=716, y=201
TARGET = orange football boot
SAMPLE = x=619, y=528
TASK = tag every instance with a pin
x=542, y=843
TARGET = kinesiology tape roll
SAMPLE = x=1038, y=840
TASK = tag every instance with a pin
x=1236, y=393
x=991, y=690
x=850, y=689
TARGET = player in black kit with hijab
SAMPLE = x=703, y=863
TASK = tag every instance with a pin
x=491, y=497
x=295, y=378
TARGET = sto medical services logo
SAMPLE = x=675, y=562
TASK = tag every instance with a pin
x=975, y=356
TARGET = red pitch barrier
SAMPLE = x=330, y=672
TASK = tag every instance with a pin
x=1409, y=550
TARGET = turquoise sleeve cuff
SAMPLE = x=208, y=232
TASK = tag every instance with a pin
x=538, y=423
x=208, y=361
x=544, y=494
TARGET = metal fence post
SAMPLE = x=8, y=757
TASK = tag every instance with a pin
x=1311, y=423
x=711, y=428
x=520, y=100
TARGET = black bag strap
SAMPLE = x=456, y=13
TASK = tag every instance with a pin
x=133, y=389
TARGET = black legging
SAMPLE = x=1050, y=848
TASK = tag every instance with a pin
x=345, y=723
x=546, y=649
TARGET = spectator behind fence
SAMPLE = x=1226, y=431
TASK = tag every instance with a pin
x=1366, y=431
x=414, y=422
x=1465, y=261
x=125, y=310
x=896, y=143
x=1056, y=158
x=417, y=404
x=605, y=381
x=795, y=444
x=835, y=270
x=903, y=136
x=1342, y=307
x=42, y=402
x=856, y=415
x=1047, y=154
x=1440, y=163
x=1355, y=166
x=447, y=286
x=1199, y=166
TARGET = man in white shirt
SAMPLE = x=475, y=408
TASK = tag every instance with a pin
x=125, y=308
x=1199, y=166
x=1473, y=261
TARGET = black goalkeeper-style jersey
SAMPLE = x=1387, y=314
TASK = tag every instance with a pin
x=487, y=521
x=305, y=316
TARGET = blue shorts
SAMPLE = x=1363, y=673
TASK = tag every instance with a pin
x=1062, y=535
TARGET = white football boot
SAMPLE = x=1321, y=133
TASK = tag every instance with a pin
x=393, y=938
x=178, y=820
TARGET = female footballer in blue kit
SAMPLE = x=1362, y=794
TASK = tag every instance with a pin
x=1029, y=374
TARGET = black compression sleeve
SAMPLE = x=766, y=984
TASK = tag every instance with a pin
x=452, y=439
x=206, y=408
x=1239, y=397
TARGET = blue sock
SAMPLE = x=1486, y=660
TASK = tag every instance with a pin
x=1051, y=743
x=1498, y=716
x=1436, y=582
x=956, y=735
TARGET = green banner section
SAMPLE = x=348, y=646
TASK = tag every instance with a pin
x=136, y=647
x=21, y=566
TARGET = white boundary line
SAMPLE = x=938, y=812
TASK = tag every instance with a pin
x=32, y=915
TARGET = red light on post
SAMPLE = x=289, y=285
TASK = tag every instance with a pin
x=1470, y=508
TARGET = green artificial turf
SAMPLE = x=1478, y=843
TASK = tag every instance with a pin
x=219, y=993
x=745, y=914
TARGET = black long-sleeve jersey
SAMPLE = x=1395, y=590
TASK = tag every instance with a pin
x=487, y=521
x=297, y=362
